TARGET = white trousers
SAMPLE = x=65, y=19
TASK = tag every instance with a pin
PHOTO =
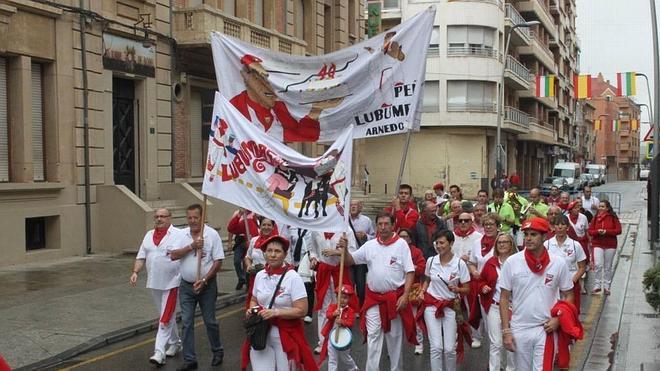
x=419, y=333
x=340, y=360
x=530, y=344
x=497, y=350
x=167, y=333
x=603, y=259
x=375, y=336
x=272, y=357
x=442, y=339
x=330, y=298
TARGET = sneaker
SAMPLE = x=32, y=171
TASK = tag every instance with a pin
x=308, y=319
x=239, y=285
x=317, y=350
x=606, y=291
x=476, y=344
x=158, y=358
x=419, y=349
x=595, y=291
x=173, y=349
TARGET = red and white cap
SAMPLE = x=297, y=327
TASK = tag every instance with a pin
x=536, y=224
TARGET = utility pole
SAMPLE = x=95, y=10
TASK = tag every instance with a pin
x=655, y=168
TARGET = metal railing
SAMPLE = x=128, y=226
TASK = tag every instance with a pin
x=516, y=18
x=541, y=45
x=516, y=115
x=494, y=2
x=517, y=68
x=471, y=107
x=479, y=51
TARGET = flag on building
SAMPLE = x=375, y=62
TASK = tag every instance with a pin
x=545, y=86
x=582, y=86
x=634, y=124
x=616, y=125
x=598, y=125
x=626, y=84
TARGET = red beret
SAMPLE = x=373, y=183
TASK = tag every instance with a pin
x=573, y=204
x=536, y=224
x=347, y=289
x=438, y=186
x=249, y=59
x=278, y=238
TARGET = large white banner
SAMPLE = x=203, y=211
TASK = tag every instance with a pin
x=375, y=85
x=253, y=170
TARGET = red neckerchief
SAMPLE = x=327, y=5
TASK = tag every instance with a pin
x=460, y=233
x=600, y=217
x=159, y=233
x=261, y=239
x=328, y=235
x=487, y=243
x=562, y=206
x=572, y=218
x=279, y=270
x=388, y=242
x=537, y=265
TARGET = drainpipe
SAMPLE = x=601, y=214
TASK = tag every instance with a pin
x=172, y=69
x=83, y=62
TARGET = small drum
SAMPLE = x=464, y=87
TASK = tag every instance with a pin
x=343, y=337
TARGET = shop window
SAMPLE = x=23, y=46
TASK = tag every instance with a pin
x=42, y=233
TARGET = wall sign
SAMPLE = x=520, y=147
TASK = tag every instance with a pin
x=126, y=55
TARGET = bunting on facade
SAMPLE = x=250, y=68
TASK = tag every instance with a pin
x=545, y=86
x=582, y=86
x=634, y=124
x=626, y=84
x=598, y=124
x=616, y=125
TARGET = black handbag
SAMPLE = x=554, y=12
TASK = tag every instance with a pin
x=256, y=328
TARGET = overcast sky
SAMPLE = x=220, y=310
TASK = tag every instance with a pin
x=615, y=36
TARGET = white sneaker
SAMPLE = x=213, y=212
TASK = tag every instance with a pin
x=173, y=349
x=307, y=319
x=476, y=344
x=317, y=350
x=158, y=358
x=419, y=349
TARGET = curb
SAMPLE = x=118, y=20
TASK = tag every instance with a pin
x=121, y=335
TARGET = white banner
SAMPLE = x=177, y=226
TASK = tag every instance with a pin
x=375, y=85
x=250, y=169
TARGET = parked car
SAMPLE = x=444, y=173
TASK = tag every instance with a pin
x=557, y=181
x=586, y=180
x=644, y=174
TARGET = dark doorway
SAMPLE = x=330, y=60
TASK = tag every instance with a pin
x=123, y=132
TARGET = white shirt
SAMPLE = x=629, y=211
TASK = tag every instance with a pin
x=162, y=272
x=291, y=289
x=533, y=295
x=454, y=273
x=318, y=242
x=363, y=224
x=255, y=254
x=387, y=265
x=581, y=226
x=465, y=245
x=477, y=259
x=591, y=204
x=570, y=250
x=212, y=251
x=293, y=234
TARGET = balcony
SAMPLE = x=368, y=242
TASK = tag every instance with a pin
x=549, y=102
x=480, y=107
x=519, y=36
x=515, y=120
x=540, y=51
x=468, y=51
x=498, y=3
x=193, y=25
x=516, y=74
x=624, y=133
x=540, y=11
x=625, y=146
x=538, y=133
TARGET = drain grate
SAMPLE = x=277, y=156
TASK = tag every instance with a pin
x=650, y=315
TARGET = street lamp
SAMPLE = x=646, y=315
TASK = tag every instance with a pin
x=500, y=97
x=648, y=89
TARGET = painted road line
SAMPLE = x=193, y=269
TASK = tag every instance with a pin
x=137, y=345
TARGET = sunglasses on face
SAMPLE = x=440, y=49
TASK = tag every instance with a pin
x=464, y=221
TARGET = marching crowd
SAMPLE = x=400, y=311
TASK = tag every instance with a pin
x=447, y=271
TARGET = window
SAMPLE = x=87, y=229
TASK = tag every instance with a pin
x=37, y=124
x=434, y=43
x=390, y=4
x=431, y=102
x=259, y=12
x=229, y=7
x=42, y=233
x=299, y=19
x=201, y=112
x=471, y=96
x=470, y=40
x=351, y=17
x=4, y=127
x=328, y=29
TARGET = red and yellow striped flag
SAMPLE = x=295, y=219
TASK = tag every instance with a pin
x=582, y=86
x=598, y=125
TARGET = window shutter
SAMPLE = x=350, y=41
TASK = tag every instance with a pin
x=4, y=132
x=456, y=92
x=37, y=124
x=456, y=34
x=475, y=35
x=489, y=36
x=431, y=102
x=195, y=133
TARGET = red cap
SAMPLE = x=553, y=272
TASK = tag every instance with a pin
x=249, y=59
x=573, y=204
x=284, y=241
x=347, y=289
x=438, y=186
x=536, y=224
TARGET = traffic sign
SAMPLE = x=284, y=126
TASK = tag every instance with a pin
x=649, y=135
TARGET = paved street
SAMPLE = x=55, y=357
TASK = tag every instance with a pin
x=103, y=285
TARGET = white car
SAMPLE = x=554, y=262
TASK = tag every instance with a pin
x=644, y=174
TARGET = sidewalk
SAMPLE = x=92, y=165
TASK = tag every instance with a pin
x=77, y=303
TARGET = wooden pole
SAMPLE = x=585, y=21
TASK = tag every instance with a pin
x=341, y=281
x=402, y=166
x=247, y=229
x=201, y=233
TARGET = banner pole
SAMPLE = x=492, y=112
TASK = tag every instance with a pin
x=341, y=282
x=199, y=253
x=403, y=160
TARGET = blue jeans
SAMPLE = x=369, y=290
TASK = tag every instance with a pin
x=239, y=254
x=188, y=301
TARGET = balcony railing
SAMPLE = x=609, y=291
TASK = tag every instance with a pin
x=541, y=45
x=516, y=18
x=494, y=2
x=471, y=107
x=518, y=68
x=516, y=115
x=455, y=51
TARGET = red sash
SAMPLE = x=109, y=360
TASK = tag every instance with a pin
x=569, y=328
x=387, y=308
x=170, y=306
x=323, y=274
x=462, y=331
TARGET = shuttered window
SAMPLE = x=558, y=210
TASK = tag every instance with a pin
x=4, y=129
x=37, y=124
x=195, y=133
